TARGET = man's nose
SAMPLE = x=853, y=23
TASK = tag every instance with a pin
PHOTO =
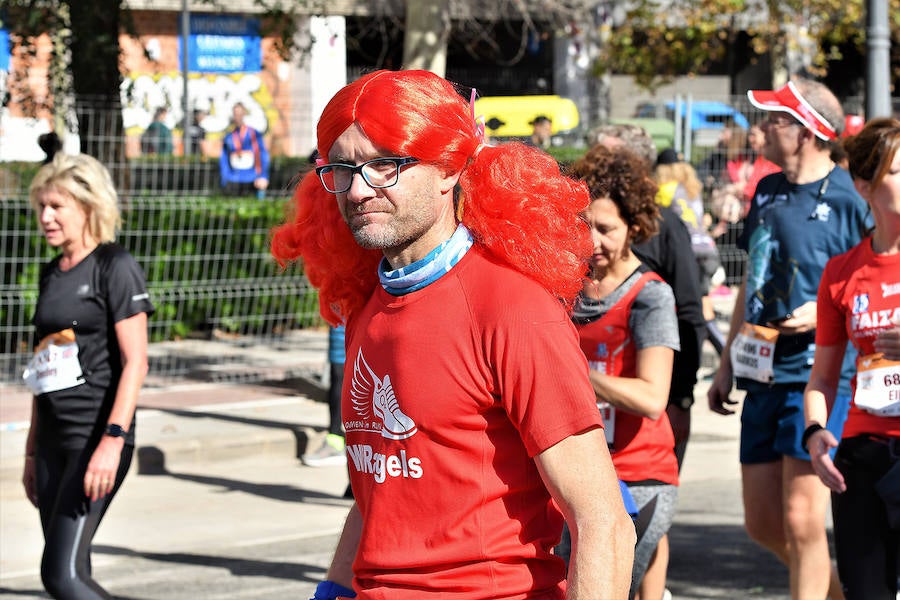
x=359, y=187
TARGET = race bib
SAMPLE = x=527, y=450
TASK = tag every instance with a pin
x=608, y=414
x=54, y=365
x=241, y=160
x=753, y=353
x=878, y=385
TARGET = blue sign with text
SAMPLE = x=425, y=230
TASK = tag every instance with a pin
x=223, y=44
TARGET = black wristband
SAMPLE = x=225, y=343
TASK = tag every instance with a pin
x=808, y=433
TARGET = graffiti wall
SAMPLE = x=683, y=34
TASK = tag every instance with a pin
x=213, y=95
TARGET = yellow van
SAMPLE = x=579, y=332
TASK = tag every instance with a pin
x=511, y=116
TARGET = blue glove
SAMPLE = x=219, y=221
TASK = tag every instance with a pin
x=329, y=590
x=630, y=505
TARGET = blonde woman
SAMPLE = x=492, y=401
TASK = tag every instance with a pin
x=681, y=190
x=90, y=363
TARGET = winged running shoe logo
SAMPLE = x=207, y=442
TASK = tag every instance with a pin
x=372, y=395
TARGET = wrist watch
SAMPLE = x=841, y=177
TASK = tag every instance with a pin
x=113, y=430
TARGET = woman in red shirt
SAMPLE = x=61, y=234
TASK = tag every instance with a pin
x=859, y=301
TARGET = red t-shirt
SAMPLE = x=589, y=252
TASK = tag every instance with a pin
x=642, y=448
x=859, y=296
x=449, y=393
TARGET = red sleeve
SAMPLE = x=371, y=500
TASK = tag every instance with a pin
x=831, y=329
x=544, y=383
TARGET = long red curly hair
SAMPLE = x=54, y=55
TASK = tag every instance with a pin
x=512, y=198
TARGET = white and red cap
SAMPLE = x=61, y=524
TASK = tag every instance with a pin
x=788, y=99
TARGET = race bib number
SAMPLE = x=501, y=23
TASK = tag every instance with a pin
x=753, y=353
x=55, y=364
x=241, y=160
x=878, y=385
x=608, y=414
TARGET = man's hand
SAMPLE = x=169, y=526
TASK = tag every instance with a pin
x=719, y=390
x=801, y=320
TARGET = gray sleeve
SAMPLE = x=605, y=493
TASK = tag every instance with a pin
x=653, y=319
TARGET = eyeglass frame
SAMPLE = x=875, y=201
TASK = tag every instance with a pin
x=789, y=121
x=399, y=162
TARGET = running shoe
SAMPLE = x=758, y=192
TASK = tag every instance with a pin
x=329, y=454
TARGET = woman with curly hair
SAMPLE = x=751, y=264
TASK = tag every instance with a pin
x=471, y=428
x=626, y=320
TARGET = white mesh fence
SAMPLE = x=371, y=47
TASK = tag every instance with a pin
x=210, y=276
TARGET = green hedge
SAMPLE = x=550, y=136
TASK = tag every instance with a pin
x=206, y=259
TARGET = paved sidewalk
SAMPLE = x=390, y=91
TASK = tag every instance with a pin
x=198, y=440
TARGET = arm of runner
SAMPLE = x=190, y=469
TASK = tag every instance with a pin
x=28, y=475
x=341, y=569
x=100, y=477
x=579, y=473
x=817, y=401
x=647, y=394
x=720, y=388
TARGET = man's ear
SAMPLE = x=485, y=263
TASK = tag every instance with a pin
x=448, y=181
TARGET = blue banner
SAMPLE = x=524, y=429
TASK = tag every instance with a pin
x=223, y=44
x=4, y=50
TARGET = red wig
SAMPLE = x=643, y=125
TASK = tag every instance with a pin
x=513, y=197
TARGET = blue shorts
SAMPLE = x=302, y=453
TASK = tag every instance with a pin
x=772, y=423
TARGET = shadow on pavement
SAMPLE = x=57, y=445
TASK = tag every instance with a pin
x=281, y=492
x=720, y=561
x=241, y=567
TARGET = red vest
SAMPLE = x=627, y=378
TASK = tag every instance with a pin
x=642, y=448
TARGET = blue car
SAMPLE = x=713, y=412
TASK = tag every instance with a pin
x=707, y=114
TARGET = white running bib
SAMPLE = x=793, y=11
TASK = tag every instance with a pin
x=55, y=364
x=878, y=385
x=753, y=353
x=242, y=160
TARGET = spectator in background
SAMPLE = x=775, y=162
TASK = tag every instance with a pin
x=244, y=162
x=798, y=219
x=331, y=452
x=51, y=144
x=670, y=255
x=197, y=134
x=157, y=139
x=760, y=166
x=680, y=189
x=542, y=127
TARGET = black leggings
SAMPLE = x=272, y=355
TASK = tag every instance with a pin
x=70, y=520
x=866, y=546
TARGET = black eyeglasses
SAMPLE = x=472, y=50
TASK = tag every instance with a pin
x=377, y=173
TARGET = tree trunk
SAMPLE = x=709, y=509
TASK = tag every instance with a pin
x=96, y=81
x=427, y=32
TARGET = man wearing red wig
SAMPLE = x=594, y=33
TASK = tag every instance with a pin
x=798, y=219
x=471, y=425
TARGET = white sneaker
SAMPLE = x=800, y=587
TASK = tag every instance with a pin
x=330, y=454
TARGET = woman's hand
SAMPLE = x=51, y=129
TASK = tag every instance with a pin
x=29, y=480
x=888, y=342
x=819, y=444
x=100, y=477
